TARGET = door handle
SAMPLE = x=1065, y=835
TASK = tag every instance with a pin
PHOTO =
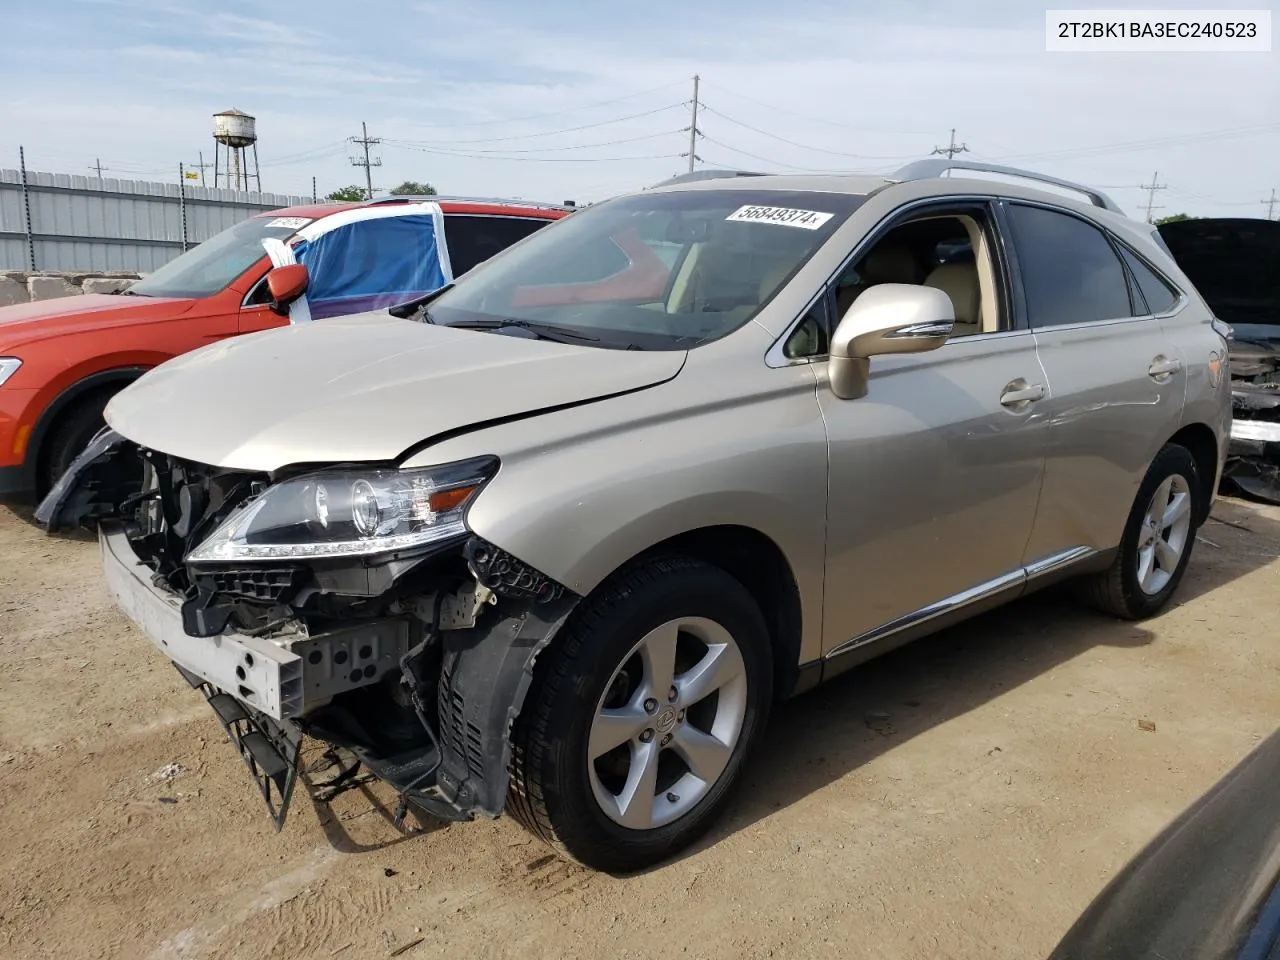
x=1020, y=393
x=1162, y=368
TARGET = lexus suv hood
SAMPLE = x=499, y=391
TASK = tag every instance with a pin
x=362, y=388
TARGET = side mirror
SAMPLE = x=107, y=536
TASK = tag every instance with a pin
x=286, y=284
x=887, y=318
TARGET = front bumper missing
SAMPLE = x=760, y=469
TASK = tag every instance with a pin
x=269, y=748
x=282, y=676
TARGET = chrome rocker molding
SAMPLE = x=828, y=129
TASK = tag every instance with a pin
x=966, y=598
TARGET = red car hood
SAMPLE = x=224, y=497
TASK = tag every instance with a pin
x=25, y=322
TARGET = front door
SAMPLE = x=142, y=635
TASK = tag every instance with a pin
x=935, y=473
x=1117, y=382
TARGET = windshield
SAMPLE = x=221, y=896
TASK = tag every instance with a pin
x=655, y=271
x=208, y=268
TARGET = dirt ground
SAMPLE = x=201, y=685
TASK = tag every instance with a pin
x=963, y=797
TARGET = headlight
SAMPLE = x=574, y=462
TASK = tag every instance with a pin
x=343, y=513
x=8, y=367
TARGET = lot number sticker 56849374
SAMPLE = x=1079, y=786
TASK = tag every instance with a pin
x=782, y=216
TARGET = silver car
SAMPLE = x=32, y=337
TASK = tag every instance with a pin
x=554, y=539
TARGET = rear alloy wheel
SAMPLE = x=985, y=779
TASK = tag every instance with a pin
x=1157, y=542
x=638, y=722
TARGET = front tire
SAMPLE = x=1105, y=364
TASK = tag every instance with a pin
x=641, y=715
x=70, y=436
x=1157, y=541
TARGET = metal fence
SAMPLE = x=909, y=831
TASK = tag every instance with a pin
x=56, y=221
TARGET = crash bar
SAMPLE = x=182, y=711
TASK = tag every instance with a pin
x=925, y=169
x=532, y=204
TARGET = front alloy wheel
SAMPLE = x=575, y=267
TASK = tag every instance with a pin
x=640, y=715
x=667, y=723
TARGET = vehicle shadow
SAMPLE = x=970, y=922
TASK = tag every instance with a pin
x=824, y=735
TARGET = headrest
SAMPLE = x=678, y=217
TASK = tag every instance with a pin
x=959, y=281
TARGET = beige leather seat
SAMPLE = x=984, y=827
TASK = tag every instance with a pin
x=959, y=281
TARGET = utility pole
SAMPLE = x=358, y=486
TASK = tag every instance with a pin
x=366, y=141
x=694, y=132
x=952, y=148
x=1271, y=204
x=313, y=189
x=1151, y=189
x=201, y=166
x=97, y=165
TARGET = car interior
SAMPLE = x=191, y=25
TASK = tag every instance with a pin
x=950, y=252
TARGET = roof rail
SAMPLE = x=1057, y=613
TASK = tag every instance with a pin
x=924, y=169
x=407, y=198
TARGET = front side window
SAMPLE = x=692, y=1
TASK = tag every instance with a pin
x=1070, y=272
x=652, y=271
x=371, y=264
x=209, y=267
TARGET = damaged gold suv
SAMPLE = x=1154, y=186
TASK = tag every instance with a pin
x=553, y=539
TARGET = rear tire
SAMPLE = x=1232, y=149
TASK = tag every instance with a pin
x=1157, y=542
x=72, y=434
x=603, y=766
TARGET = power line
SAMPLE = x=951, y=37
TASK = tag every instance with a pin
x=366, y=141
x=576, y=146
x=861, y=128
x=1079, y=153
x=201, y=166
x=694, y=132
x=951, y=149
x=545, y=133
x=775, y=163
x=482, y=156
x=1151, y=189
x=803, y=146
x=553, y=113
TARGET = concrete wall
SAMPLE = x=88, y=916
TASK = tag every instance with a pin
x=21, y=286
x=75, y=223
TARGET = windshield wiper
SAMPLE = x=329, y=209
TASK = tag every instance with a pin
x=545, y=331
x=407, y=309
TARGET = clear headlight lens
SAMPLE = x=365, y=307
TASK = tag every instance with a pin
x=8, y=367
x=349, y=513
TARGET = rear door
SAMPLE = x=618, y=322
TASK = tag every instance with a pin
x=1116, y=382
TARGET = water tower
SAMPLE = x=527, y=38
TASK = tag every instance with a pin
x=233, y=135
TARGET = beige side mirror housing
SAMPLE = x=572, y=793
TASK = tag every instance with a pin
x=887, y=318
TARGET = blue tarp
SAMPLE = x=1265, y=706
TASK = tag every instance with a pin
x=372, y=264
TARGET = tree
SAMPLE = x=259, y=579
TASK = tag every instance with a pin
x=411, y=188
x=1172, y=218
x=347, y=194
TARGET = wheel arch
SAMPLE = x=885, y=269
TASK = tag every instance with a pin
x=759, y=564
x=56, y=412
x=1201, y=442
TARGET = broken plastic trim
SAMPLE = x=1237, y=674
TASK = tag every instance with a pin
x=269, y=748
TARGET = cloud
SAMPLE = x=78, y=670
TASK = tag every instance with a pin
x=809, y=84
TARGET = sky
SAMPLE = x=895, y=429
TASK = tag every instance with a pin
x=559, y=100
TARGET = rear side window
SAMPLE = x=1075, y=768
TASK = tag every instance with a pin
x=1158, y=295
x=1070, y=271
x=474, y=239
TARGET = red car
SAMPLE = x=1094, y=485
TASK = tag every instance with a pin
x=62, y=360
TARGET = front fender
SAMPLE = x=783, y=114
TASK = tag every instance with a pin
x=581, y=492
